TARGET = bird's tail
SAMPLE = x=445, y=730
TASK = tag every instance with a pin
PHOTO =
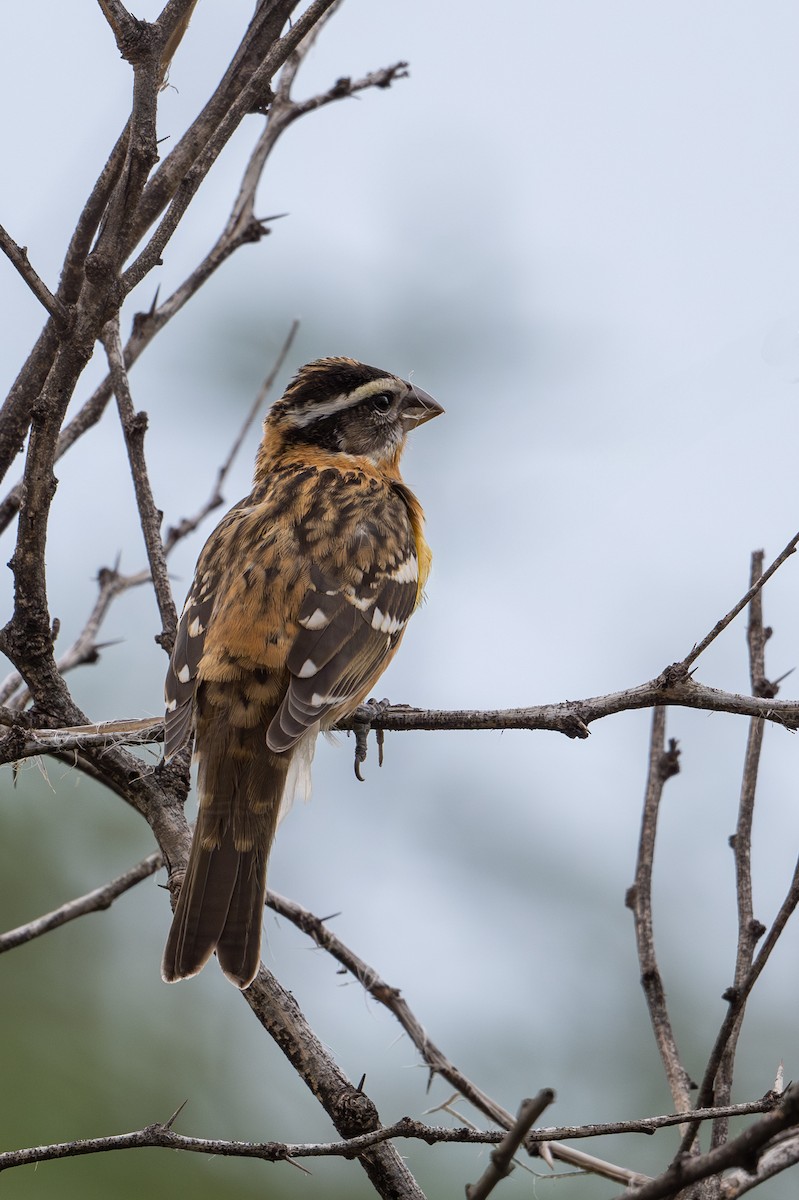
x=220, y=908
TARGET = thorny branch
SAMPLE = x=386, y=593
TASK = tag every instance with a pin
x=742, y=1151
x=161, y=1135
x=437, y=1062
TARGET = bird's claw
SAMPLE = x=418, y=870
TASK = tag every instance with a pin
x=362, y=720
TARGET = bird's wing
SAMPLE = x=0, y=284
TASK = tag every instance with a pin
x=347, y=635
x=181, y=677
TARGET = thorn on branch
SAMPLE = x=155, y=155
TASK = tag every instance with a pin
x=175, y=1115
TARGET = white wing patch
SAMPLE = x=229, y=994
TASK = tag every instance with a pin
x=385, y=623
x=407, y=571
x=317, y=620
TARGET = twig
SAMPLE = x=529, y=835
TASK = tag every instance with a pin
x=501, y=1160
x=721, y=625
x=19, y=257
x=133, y=426
x=160, y=1135
x=749, y=930
x=742, y=1151
x=662, y=765
x=737, y=997
x=189, y=524
x=85, y=648
x=94, y=901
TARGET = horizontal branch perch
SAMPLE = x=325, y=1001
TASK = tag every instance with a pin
x=570, y=717
x=161, y=1135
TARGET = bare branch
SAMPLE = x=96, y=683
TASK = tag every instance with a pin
x=159, y=1135
x=95, y=901
x=663, y=764
x=242, y=228
x=123, y=24
x=779, y=1155
x=391, y=998
x=570, y=717
x=721, y=625
x=247, y=100
x=19, y=257
x=350, y=1109
x=134, y=426
x=737, y=997
x=85, y=648
x=189, y=524
x=742, y=1151
x=749, y=930
x=501, y=1159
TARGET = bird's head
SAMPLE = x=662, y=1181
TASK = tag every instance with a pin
x=341, y=406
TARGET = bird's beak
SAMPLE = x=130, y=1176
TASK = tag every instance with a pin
x=419, y=407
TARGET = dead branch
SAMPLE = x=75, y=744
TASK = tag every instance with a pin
x=569, y=717
x=501, y=1159
x=18, y=255
x=134, y=426
x=749, y=930
x=663, y=764
x=743, y=1151
x=437, y=1062
x=757, y=586
x=97, y=900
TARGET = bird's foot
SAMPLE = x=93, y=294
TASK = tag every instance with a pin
x=362, y=721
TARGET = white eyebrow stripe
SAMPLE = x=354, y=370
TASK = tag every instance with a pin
x=343, y=401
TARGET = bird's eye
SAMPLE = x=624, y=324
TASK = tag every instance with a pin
x=381, y=403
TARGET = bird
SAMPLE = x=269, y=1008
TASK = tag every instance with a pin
x=300, y=598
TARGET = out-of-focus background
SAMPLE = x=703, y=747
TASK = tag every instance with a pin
x=575, y=223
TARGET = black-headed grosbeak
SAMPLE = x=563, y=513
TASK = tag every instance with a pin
x=299, y=602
